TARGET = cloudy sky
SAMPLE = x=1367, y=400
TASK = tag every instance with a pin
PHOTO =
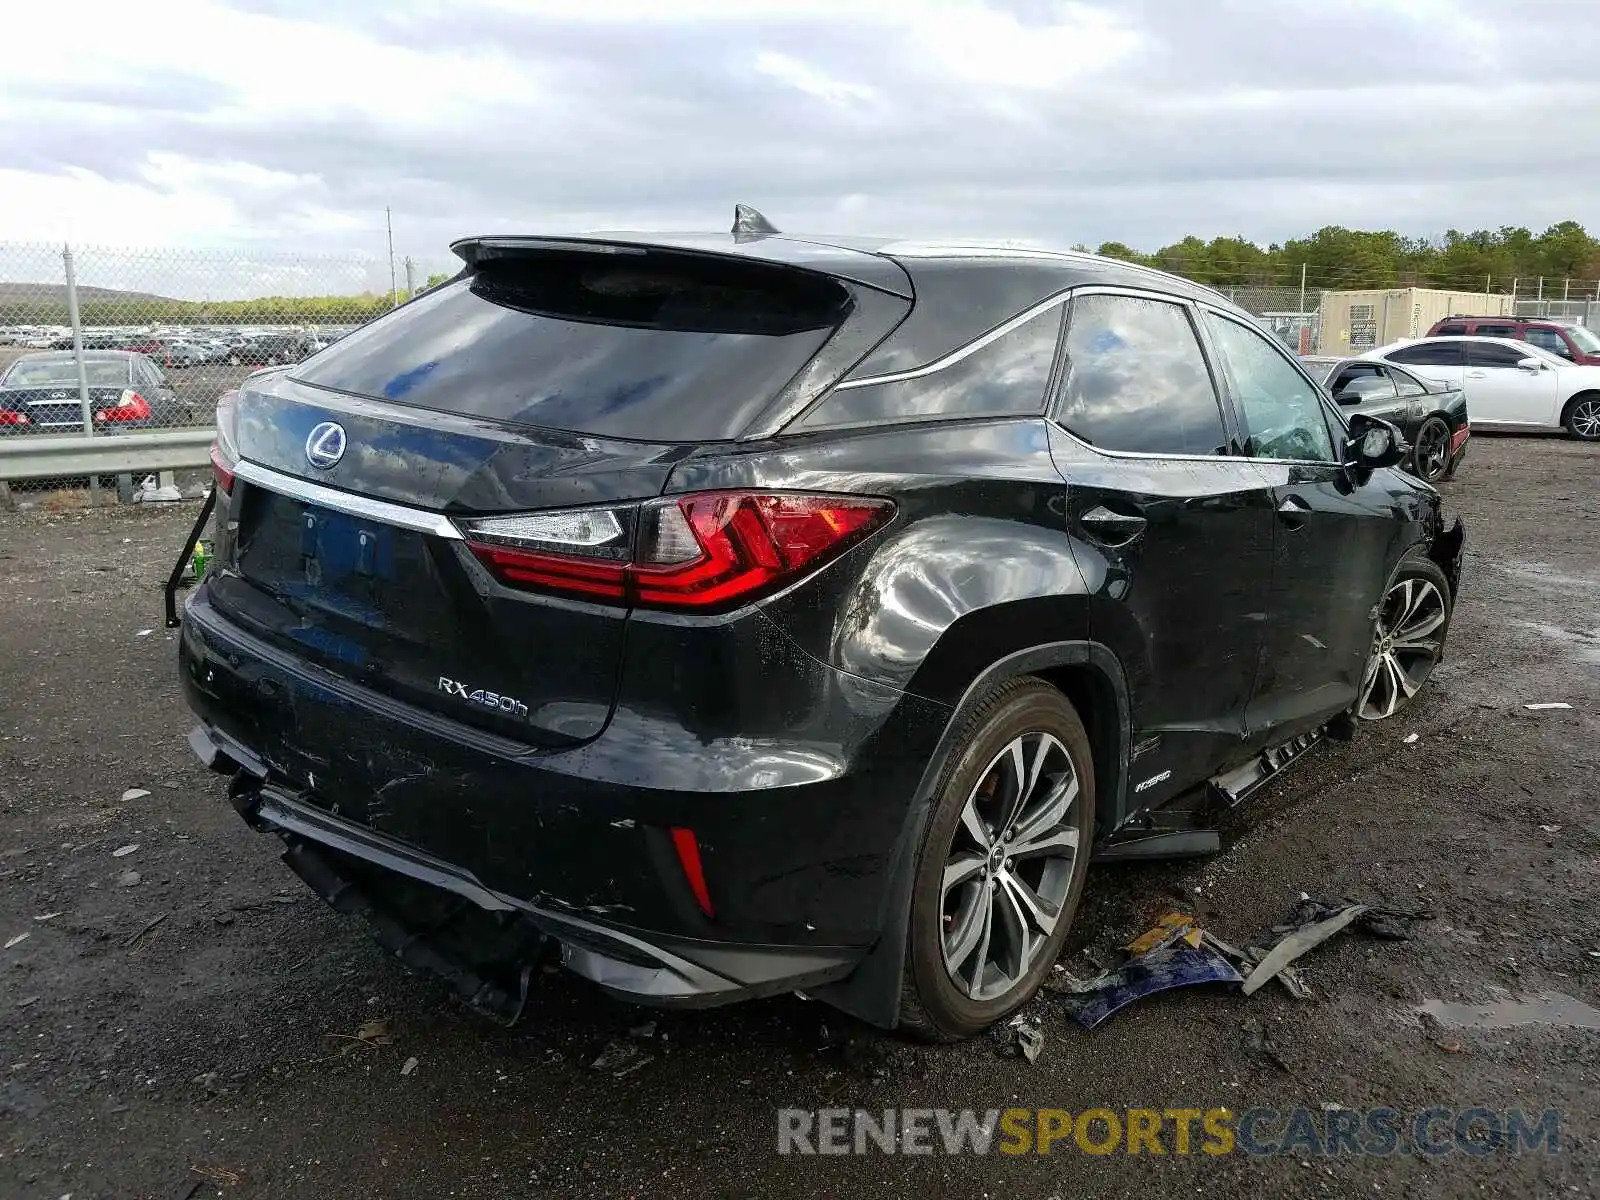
x=289, y=125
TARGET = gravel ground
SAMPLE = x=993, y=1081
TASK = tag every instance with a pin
x=186, y=1020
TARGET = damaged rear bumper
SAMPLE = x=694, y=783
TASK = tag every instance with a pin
x=642, y=966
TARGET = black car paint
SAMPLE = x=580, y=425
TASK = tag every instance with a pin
x=801, y=737
x=1436, y=398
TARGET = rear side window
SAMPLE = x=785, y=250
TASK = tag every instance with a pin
x=1455, y=330
x=1506, y=331
x=1136, y=380
x=653, y=346
x=1430, y=354
x=1005, y=377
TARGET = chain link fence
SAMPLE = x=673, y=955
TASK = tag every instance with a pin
x=99, y=341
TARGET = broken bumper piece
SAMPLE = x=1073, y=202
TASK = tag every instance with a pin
x=353, y=867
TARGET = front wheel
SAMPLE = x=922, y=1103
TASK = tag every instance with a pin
x=1413, y=621
x=1583, y=417
x=1002, y=865
x=1430, y=457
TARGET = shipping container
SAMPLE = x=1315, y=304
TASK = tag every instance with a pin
x=1354, y=322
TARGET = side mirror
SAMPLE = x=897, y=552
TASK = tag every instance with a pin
x=1531, y=365
x=1374, y=443
x=1348, y=397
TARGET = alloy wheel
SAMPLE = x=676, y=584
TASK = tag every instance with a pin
x=1432, y=454
x=1584, y=420
x=1009, y=869
x=1405, y=647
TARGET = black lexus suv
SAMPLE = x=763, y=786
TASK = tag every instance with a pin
x=732, y=614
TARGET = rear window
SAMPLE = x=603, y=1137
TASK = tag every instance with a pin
x=652, y=346
x=63, y=372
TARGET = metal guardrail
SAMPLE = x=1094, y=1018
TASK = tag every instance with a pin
x=107, y=454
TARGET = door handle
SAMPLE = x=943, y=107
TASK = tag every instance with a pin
x=1292, y=512
x=1477, y=375
x=1111, y=528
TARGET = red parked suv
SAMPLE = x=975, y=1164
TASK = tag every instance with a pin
x=1566, y=338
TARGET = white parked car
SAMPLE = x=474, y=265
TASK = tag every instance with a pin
x=1509, y=384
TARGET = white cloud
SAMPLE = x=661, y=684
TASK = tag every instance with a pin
x=290, y=125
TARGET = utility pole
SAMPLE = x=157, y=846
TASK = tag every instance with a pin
x=394, y=287
x=75, y=317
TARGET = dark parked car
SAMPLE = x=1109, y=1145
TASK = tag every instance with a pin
x=1562, y=337
x=39, y=393
x=1432, y=414
x=267, y=350
x=736, y=614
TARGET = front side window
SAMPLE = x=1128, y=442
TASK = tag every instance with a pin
x=1494, y=355
x=1136, y=380
x=1279, y=407
x=1547, y=339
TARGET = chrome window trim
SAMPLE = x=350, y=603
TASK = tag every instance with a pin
x=961, y=353
x=383, y=511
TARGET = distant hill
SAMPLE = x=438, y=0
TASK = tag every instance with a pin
x=56, y=294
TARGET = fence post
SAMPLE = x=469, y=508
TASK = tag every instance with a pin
x=1302, y=309
x=77, y=355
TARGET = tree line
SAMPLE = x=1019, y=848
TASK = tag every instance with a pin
x=1339, y=258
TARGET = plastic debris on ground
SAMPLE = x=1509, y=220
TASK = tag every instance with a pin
x=1174, y=926
x=1158, y=970
x=621, y=1058
x=1546, y=707
x=1176, y=952
x=1022, y=1037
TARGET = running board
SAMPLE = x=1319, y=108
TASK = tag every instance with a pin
x=1232, y=788
x=1160, y=844
x=1183, y=827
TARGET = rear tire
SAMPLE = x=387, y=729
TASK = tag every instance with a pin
x=1582, y=418
x=1430, y=456
x=1002, y=866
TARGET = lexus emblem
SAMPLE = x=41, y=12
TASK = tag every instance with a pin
x=325, y=445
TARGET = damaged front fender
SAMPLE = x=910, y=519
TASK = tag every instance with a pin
x=1446, y=551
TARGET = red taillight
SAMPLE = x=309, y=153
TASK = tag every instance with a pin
x=7, y=417
x=222, y=469
x=131, y=407
x=688, y=848
x=700, y=552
